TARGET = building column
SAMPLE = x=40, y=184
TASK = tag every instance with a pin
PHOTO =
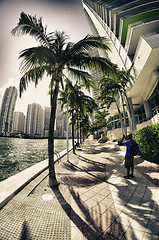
x=148, y=110
x=132, y=121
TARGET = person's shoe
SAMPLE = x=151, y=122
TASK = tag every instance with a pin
x=127, y=177
x=132, y=176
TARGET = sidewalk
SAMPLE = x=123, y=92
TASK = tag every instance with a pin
x=93, y=201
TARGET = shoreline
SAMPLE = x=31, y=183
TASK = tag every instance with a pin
x=12, y=185
x=63, y=138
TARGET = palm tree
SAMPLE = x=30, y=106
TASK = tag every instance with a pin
x=85, y=126
x=68, y=98
x=53, y=56
x=100, y=121
x=109, y=91
x=115, y=84
x=79, y=104
x=87, y=105
x=125, y=77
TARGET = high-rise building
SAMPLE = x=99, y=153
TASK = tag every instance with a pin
x=40, y=122
x=47, y=121
x=7, y=110
x=18, y=122
x=0, y=98
x=131, y=28
x=61, y=124
x=35, y=120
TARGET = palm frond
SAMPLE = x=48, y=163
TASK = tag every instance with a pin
x=33, y=26
x=36, y=56
x=82, y=77
x=84, y=61
x=90, y=42
x=33, y=75
x=59, y=39
x=103, y=64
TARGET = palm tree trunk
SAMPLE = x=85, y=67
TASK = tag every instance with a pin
x=83, y=135
x=78, y=129
x=80, y=133
x=124, y=115
x=52, y=177
x=73, y=134
x=120, y=117
x=132, y=121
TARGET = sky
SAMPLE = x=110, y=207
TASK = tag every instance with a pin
x=61, y=15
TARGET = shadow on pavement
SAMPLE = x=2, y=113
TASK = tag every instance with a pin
x=98, y=175
x=92, y=173
x=114, y=229
x=140, y=210
x=146, y=168
x=25, y=232
x=76, y=219
x=91, y=229
x=97, y=150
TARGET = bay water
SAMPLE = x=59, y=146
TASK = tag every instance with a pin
x=17, y=154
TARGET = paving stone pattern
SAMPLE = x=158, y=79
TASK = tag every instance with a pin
x=92, y=202
x=35, y=218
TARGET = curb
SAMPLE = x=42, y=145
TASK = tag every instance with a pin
x=12, y=185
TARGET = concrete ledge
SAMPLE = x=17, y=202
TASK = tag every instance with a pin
x=12, y=185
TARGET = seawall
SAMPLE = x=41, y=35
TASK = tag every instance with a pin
x=12, y=185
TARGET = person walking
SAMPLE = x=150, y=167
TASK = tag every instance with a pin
x=129, y=157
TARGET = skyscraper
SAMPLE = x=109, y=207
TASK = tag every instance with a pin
x=7, y=110
x=40, y=122
x=34, y=120
x=46, y=121
x=18, y=122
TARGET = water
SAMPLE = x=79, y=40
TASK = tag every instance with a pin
x=17, y=154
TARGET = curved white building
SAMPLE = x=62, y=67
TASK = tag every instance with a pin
x=132, y=27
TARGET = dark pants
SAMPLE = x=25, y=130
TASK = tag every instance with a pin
x=129, y=164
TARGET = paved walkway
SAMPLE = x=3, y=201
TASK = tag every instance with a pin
x=93, y=201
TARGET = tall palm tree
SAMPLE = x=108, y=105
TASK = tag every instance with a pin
x=126, y=77
x=85, y=126
x=116, y=84
x=87, y=105
x=53, y=56
x=100, y=121
x=78, y=102
x=109, y=91
x=68, y=99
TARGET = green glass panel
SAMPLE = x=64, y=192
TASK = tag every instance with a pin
x=136, y=18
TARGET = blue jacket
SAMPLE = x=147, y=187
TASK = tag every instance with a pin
x=128, y=145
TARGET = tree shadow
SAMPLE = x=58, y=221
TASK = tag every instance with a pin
x=139, y=210
x=93, y=162
x=93, y=217
x=99, y=149
x=92, y=224
x=138, y=161
x=143, y=209
x=95, y=174
x=25, y=233
x=146, y=169
x=91, y=229
x=91, y=165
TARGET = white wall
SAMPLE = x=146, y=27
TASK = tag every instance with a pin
x=117, y=133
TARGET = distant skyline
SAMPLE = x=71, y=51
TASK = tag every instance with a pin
x=59, y=15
